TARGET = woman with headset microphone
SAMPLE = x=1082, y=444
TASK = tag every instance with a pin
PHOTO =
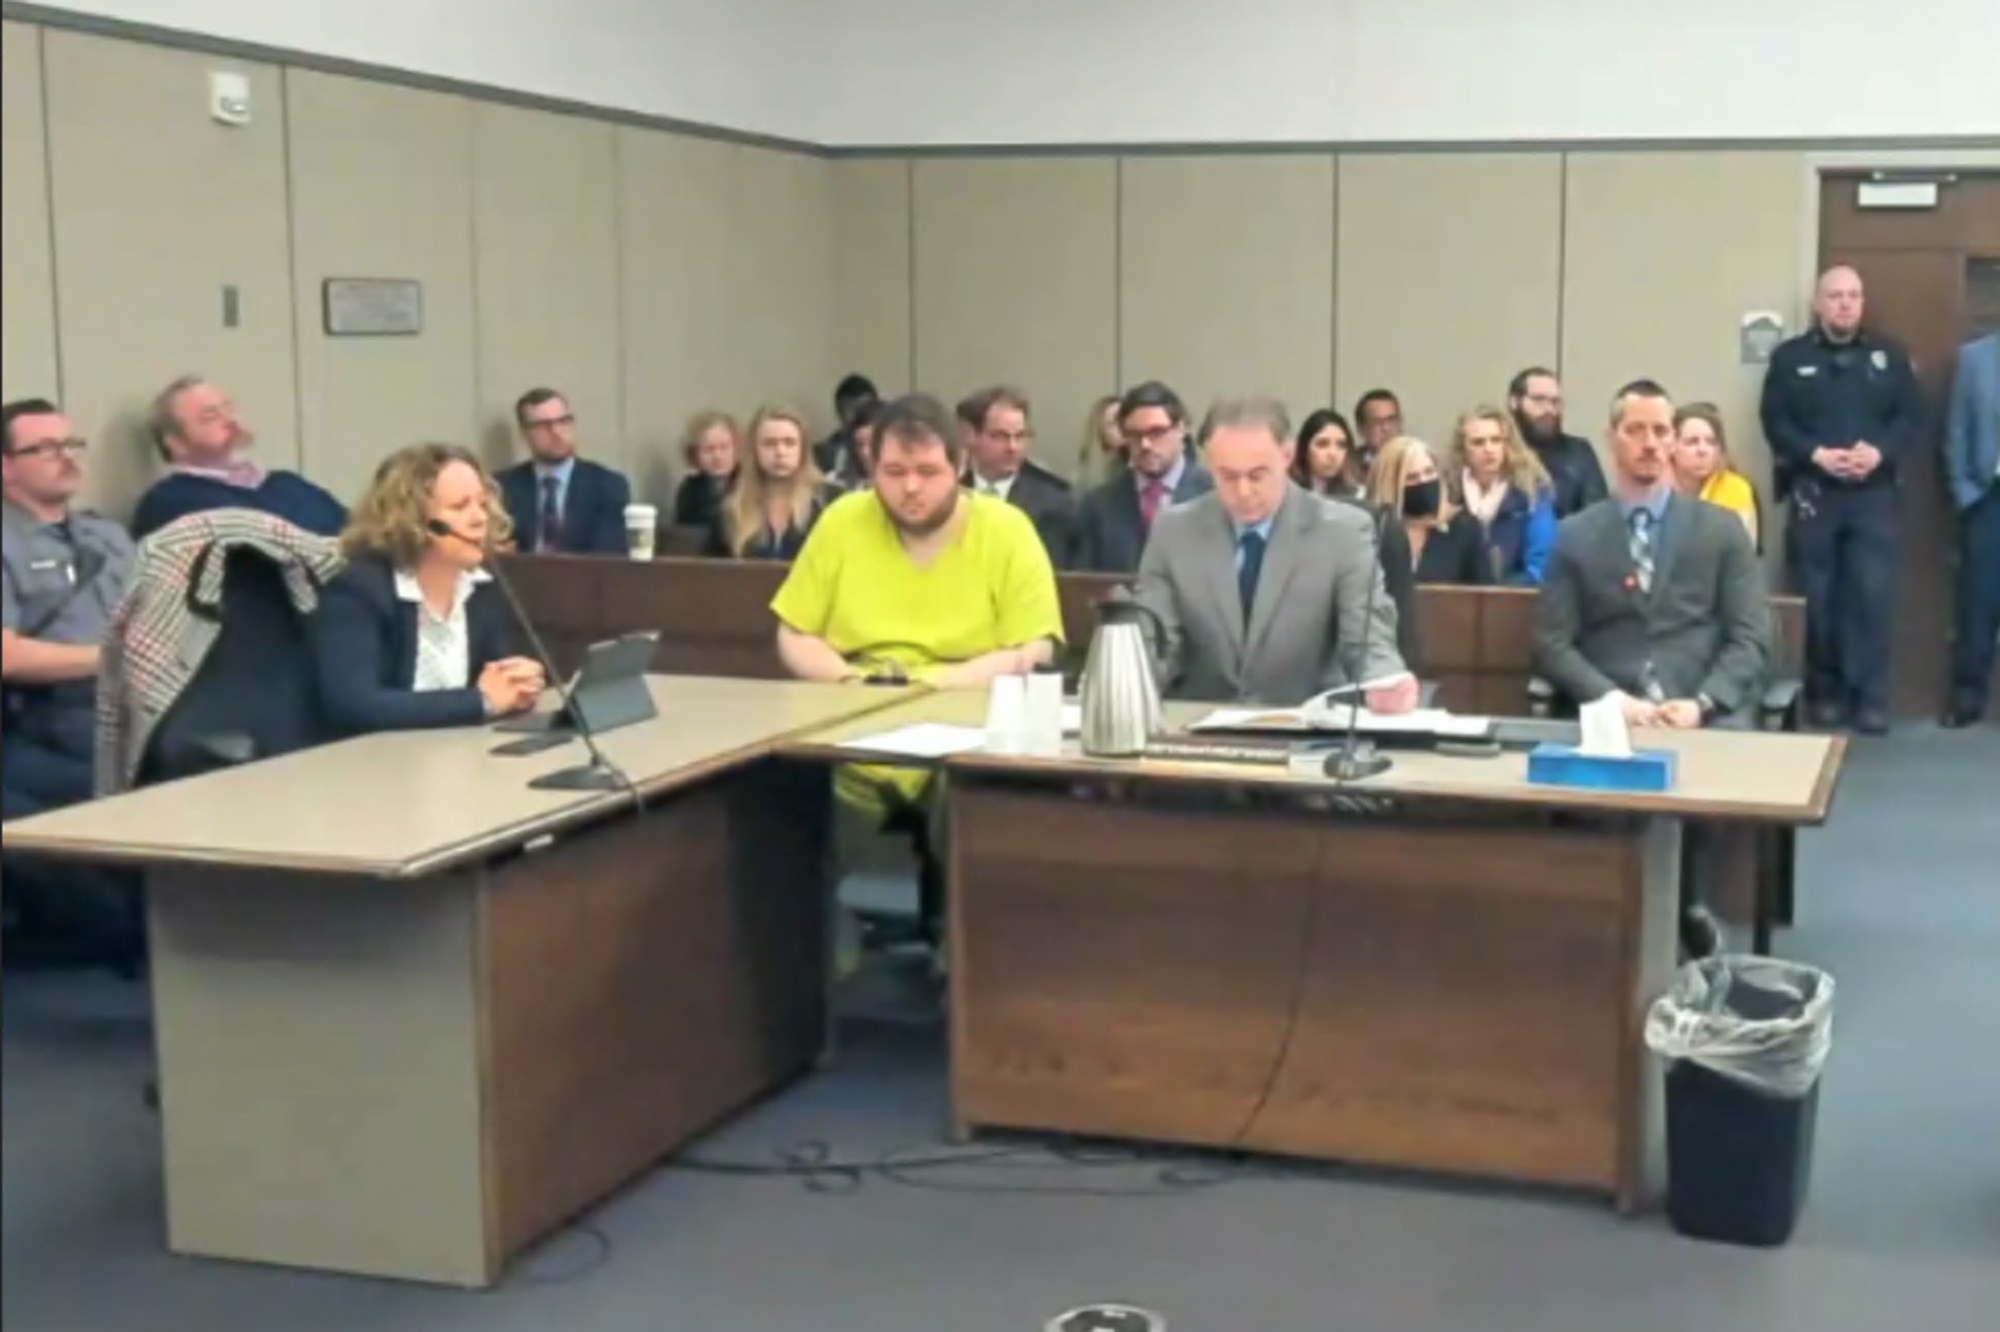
x=413, y=634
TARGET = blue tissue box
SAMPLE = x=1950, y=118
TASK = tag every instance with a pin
x=1561, y=765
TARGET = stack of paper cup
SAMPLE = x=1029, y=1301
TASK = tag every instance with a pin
x=642, y=526
x=1042, y=731
x=1006, y=715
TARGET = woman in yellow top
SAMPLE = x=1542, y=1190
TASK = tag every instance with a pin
x=1702, y=466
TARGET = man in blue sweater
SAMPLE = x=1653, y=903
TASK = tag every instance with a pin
x=206, y=449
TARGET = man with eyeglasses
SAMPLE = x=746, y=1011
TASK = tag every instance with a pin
x=997, y=440
x=1535, y=397
x=561, y=503
x=1115, y=519
x=65, y=571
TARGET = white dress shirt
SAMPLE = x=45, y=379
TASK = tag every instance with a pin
x=1000, y=489
x=444, y=644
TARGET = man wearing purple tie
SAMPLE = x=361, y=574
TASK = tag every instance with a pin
x=561, y=503
x=1115, y=519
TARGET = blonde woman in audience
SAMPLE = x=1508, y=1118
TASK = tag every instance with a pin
x=779, y=493
x=1326, y=461
x=1445, y=545
x=1507, y=491
x=1703, y=469
x=1103, y=449
x=710, y=448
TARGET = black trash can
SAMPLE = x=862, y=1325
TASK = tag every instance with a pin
x=1746, y=1039
x=1739, y=1160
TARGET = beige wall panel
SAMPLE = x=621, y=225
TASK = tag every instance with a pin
x=676, y=237
x=28, y=365
x=545, y=236
x=779, y=323
x=1016, y=263
x=1226, y=276
x=1665, y=253
x=871, y=272
x=381, y=187
x=156, y=209
x=1450, y=280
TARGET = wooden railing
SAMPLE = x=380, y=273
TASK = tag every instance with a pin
x=713, y=617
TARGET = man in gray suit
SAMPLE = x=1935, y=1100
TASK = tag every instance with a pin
x=1652, y=596
x=1265, y=590
x=1972, y=465
x=1114, y=520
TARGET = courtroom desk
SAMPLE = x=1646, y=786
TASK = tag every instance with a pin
x=412, y=1015
x=1445, y=979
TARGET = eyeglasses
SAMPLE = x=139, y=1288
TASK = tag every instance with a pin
x=1011, y=436
x=1152, y=435
x=49, y=448
x=564, y=420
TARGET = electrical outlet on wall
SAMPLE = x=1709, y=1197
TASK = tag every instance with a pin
x=229, y=97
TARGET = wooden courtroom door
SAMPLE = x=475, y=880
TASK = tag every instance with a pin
x=1933, y=283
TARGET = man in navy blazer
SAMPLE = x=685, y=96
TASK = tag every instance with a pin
x=1972, y=466
x=1114, y=520
x=560, y=503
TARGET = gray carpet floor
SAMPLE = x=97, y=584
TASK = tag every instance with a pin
x=1900, y=899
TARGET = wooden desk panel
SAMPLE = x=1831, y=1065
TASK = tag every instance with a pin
x=1446, y=996
x=714, y=619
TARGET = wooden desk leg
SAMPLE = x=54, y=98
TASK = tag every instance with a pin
x=319, y=1073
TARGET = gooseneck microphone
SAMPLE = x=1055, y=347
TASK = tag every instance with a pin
x=600, y=774
x=1352, y=763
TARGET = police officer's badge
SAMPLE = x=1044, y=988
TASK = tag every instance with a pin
x=1881, y=359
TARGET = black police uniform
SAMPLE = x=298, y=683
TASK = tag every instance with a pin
x=1844, y=540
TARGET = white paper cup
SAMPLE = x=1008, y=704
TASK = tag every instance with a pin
x=642, y=528
x=1042, y=728
x=1006, y=714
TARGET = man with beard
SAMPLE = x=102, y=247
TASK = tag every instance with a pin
x=1535, y=398
x=915, y=579
x=207, y=451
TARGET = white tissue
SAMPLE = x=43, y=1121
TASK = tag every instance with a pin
x=1604, y=731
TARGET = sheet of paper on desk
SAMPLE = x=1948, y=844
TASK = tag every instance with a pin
x=920, y=740
x=1422, y=721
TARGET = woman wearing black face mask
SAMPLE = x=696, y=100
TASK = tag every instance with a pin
x=1445, y=547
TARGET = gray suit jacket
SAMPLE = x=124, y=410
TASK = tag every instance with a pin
x=1306, y=628
x=1705, y=627
x=1972, y=441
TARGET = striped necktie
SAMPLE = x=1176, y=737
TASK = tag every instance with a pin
x=1641, y=523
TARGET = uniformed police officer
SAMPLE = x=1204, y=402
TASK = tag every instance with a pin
x=1842, y=409
x=64, y=571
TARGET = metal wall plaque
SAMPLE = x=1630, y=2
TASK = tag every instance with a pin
x=373, y=307
x=1759, y=335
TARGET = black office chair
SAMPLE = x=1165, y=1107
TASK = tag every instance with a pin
x=253, y=697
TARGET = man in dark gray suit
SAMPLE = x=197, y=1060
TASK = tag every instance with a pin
x=1115, y=519
x=1657, y=599
x=1265, y=590
x=997, y=439
x=1654, y=596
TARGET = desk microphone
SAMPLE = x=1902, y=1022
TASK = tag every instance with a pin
x=1351, y=763
x=600, y=774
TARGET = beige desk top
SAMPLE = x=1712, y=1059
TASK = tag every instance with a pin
x=413, y=803
x=1747, y=776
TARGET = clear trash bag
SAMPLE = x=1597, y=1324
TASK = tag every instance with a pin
x=1763, y=1022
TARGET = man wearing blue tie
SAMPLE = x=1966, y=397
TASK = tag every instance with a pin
x=561, y=503
x=1972, y=466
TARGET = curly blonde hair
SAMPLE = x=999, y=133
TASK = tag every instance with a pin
x=391, y=521
x=1524, y=471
